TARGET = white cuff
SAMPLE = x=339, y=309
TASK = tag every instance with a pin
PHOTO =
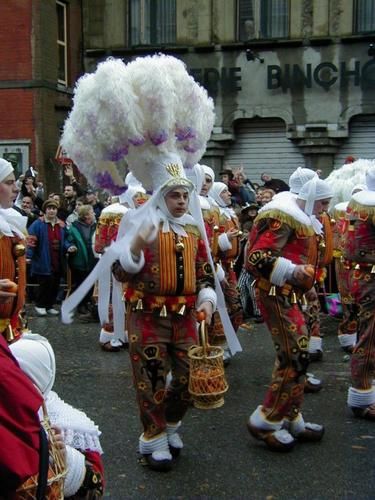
x=220, y=273
x=315, y=344
x=207, y=295
x=76, y=471
x=347, y=339
x=258, y=419
x=129, y=264
x=282, y=271
x=358, y=398
x=224, y=243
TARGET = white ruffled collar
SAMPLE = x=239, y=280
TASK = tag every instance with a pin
x=289, y=206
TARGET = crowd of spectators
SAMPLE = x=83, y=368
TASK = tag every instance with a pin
x=61, y=228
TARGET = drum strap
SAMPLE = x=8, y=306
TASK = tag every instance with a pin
x=43, y=465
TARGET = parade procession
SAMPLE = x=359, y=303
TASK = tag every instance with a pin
x=165, y=286
x=175, y=276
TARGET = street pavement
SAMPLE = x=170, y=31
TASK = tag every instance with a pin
x=220, y=459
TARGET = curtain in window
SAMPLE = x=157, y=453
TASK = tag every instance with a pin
x=274, y=17
x=152, y=22
x=246, y=21
x=365, y=16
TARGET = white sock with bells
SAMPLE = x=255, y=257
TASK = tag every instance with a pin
x=258, y=420
x=157, y=447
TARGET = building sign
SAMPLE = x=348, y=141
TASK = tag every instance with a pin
x=325, y=75
x=290, y=76
x=227, y=80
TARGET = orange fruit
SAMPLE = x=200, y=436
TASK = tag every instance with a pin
x=201, y=315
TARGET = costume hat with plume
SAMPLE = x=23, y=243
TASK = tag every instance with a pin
x=342, y=180
x=136, y=115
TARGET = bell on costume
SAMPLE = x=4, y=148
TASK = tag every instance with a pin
x=9, y=334
x=139, y=306
x=272, y=292
x=19, y=250
x=182, y=310
x=179, y=246
x=163, y=312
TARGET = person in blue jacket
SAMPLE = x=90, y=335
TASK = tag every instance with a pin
x=45, y=253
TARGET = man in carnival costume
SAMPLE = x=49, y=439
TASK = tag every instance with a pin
x=358, y=251
x=345, y=182
x=283, y=254
x=347, y=329
x=205, y=209
x=225, y=254
x=19, y=403
x=112, y=339
x=159, y=255
x=311, y=304
x=163, y=273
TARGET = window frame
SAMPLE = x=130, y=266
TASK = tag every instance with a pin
x=141, y=30
x=259, y=23
x=62, y=43
x=356, y=17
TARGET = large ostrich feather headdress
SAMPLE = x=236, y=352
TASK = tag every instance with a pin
x=343, y=179
x=138, y=116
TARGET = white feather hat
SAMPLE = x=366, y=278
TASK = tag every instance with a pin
x=136, y=116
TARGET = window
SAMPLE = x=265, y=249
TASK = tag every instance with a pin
x=62, y=43
x=364, y=16
x=152, y=22
x=263, y=19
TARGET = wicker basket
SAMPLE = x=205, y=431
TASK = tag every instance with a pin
x=56, y=471
x=207, y=382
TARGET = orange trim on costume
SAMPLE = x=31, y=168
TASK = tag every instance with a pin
x=189, y=264
x=312, y=255
x=8, y=262
x=327, y=255
x=168, y=271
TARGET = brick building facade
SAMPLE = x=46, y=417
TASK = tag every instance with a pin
x=34, y=98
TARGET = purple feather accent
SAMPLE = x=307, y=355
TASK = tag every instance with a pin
x=189, y=148
x=105, y=181
x=158, y=137
x=183, y=134
x=137, y=141
x=118, y=154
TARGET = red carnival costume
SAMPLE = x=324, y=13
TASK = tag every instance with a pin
x=347, y=329
x=359, y=255
x=225, y=252
x=106, y=232
x=283, y=241
x=312, y=313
